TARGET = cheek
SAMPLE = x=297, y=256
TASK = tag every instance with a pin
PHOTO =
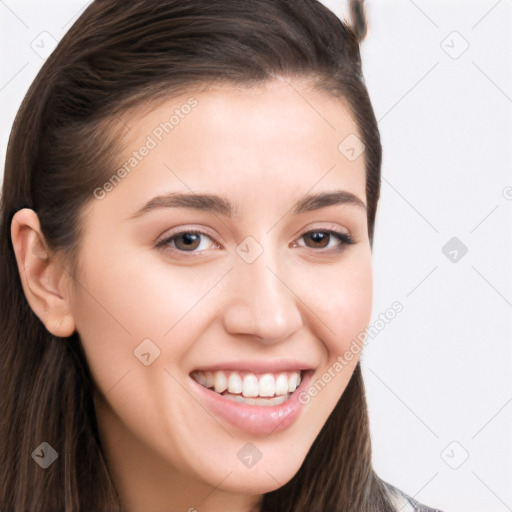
x=114, y=312
x=118, y=305
x=342, y=299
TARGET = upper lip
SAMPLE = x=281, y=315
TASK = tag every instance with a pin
x=269, y=366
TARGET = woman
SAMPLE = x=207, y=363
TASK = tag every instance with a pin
x=187, y=220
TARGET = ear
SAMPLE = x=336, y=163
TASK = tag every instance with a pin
x=43, y=278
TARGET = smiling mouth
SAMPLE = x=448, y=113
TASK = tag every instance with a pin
x=265, y=389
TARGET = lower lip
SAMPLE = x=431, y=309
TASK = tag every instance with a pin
x=261, y=420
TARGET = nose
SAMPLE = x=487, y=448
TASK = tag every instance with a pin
x=262, y=301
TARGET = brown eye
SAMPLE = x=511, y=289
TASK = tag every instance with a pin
x=320, y=239
x=185, y=241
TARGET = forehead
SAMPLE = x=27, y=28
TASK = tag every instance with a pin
x=239, y=110
x=279, y=139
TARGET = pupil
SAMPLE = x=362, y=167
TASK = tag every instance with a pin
x=188, y=239
x=318, y=236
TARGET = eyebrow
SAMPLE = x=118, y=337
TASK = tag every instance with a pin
x=218, y=204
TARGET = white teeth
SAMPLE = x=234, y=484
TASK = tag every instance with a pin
x=220, y=382
x=282, y=384
x=250, y=385
x=235, y=383
x=266, y=385
x=292, y=382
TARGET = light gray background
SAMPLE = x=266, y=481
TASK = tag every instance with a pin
x=438, y=375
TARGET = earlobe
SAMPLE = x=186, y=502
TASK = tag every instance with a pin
x=42, y=276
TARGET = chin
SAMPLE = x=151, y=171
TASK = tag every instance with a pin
x=261, y=482
x=264, y=476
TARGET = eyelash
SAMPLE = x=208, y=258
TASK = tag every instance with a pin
x=344, y=239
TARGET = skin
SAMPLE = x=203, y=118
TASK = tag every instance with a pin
x=262, y=148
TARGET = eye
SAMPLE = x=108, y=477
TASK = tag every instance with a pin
x=191, y=241
x=186, y=241
x=322, y=238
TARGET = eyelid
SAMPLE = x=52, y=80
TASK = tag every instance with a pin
x=184, y=229
x=329, y=226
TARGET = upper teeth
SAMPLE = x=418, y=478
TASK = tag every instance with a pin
x=250, y=384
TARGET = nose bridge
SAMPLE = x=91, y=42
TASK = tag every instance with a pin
x=263, y=303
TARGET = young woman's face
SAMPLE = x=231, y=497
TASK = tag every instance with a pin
x=266, y=292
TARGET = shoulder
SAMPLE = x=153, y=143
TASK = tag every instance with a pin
x=404, y=503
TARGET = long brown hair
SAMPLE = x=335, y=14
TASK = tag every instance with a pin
x=121, y=54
